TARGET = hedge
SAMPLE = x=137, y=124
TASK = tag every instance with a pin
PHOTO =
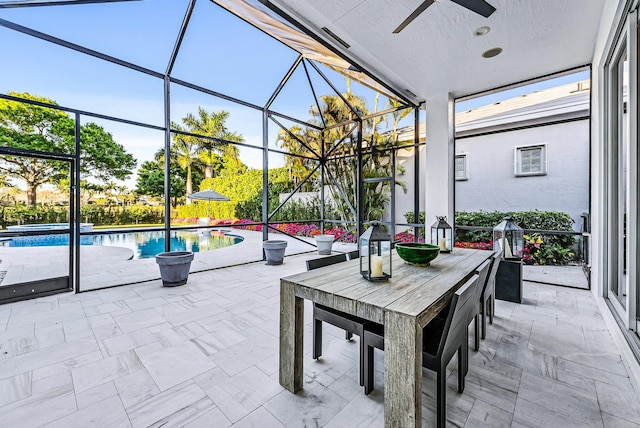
x=99, y=215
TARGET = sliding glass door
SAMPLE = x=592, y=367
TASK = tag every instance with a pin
x=622, y=175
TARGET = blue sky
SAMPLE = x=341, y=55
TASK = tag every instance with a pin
x=219, y=52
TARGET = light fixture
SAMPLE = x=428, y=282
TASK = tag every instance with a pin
x=508, y=238
x=492, y=52
x=441, y=233
x=375, y=253
x=481, y=31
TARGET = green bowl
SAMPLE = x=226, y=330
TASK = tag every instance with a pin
x=417, y=253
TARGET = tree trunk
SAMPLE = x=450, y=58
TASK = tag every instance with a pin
x=31, y=194
x=189, y=185
x=208, y=171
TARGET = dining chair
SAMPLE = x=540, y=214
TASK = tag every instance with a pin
x=353, y=254
x=446, y=335
x=349, y=323
x=483, y=273
x=487, y=302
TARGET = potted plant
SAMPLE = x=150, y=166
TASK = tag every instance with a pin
x=274, y=251
x=324, y=243
x=174, y=267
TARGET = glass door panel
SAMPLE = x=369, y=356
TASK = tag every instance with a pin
x=36, y=236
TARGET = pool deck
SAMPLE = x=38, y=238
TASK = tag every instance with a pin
x=103, y=267
x=206, y=355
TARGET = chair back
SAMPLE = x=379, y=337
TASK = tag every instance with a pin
x=465, y=299
x=483, y=275
x=494, y=270
x=325, y=261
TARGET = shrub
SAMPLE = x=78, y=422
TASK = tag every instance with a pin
x=99, y=215
x=408, y=216
x=540, y=220
x=547, y=249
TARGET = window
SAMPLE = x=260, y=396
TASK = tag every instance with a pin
x=531, y=160
x=461, y=167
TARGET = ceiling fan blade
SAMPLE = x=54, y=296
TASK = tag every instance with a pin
x=480, y=7
x=32, y=3
x=425, y=4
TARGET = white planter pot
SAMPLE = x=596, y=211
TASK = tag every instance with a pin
x=274, y=251
x=324, y=243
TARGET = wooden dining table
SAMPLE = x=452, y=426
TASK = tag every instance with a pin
x=404, y=304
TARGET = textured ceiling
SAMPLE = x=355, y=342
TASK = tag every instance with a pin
x=439, y=53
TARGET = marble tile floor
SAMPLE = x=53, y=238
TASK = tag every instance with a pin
x=206, y=355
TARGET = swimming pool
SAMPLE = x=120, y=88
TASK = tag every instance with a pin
x=144, y=244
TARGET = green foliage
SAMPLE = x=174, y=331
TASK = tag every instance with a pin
x=408, y=216
x=98, y=214
x=534, y=219
x=243, y=187
x=31, y=127
x=150, y=180
x=539, y=251
x=339, y=143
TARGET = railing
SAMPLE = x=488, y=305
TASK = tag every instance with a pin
x=580, y=246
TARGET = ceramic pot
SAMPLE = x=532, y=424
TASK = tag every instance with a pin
x=174, y=267
x=324, y=243
x=274, y=251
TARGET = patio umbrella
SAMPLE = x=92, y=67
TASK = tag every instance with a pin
x=208, y=195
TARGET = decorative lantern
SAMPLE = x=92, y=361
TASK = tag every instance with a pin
x=508, y=237
x=375, y=253
x=441, y=234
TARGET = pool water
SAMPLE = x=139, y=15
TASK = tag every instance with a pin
x=143, y=244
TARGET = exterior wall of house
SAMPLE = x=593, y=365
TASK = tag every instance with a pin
x=404, y=201
x=493, y=185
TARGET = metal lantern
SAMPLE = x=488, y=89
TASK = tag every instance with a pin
x=508, y=238
x=375, y=253
x=441, y=234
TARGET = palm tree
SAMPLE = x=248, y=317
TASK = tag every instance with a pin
x=216, y=145
x=341, y=163
x=185, y=151
x=397, y=115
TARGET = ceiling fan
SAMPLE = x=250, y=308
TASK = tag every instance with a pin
x=480, y=7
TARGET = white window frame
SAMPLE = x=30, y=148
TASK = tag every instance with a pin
x=517, y=161
x=466, y=166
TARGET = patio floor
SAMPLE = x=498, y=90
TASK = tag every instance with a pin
x=206, y=355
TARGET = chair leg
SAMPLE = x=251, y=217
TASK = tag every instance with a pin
x=317, y=339
x=362, y=358
x=347, y=335
x=462, y=363
x=465, y=350
x=441, y=402
x=492, y=304
x=493, y=307
x=484, y=306
x=476, y=323
x=368, y=370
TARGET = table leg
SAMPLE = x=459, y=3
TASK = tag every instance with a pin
x=291, y=337
x=402, y=371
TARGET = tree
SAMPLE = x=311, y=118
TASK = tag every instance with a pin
x=305, y=145
x=32, y=127
x=215, y=146
x=185, y=152
x=150, y=180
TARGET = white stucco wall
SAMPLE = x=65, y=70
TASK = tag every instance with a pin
x=404, y=201
x=493, y=186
